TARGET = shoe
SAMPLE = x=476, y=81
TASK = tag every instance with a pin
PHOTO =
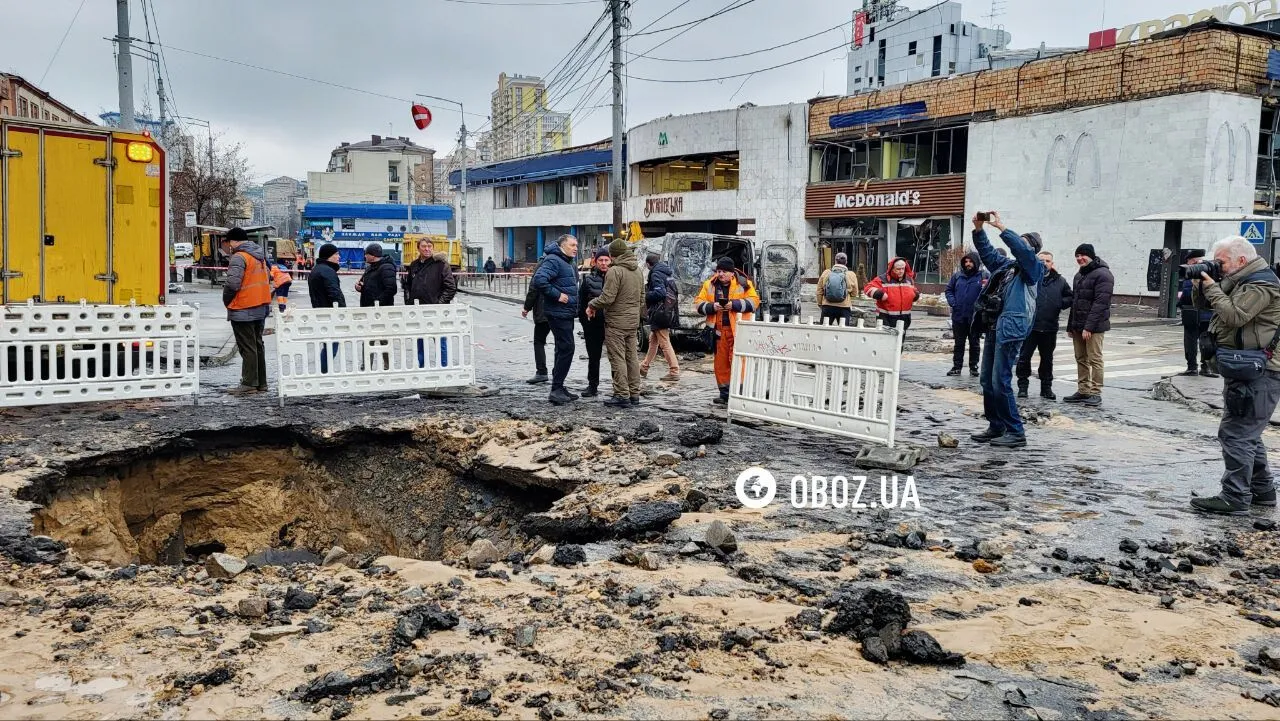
x=540, y=378
x=559, y=397
x=1204, y=371
x=1009, y=440
x=987, y=436
x=644, y=371
x=242, y=390
x=1267, y=499
x=953, y=372
x=1215, y=504
x=1046, y=391
x=1190, y=372
x=721, y=401
x=571, y=394
x=1075, y=398
x=1091, y=401
x=590, y=393
x=635, y=401
x=670, y=378
x=973, y=372
x=618, y=402
x=262, y=389
x=1022, y=389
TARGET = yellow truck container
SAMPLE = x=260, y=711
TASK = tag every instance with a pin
x=451, y=248
x=82, y=214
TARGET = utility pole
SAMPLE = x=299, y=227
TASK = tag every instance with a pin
x=615, y=186
x=462, y=231
x=124, y=66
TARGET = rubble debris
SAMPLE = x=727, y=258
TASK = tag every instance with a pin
x=335, y=556
x=703, y=432
x=719, y=537
x=568, y=555
x=946, y=440
x=542, y=556
x=275, y=633
x=878, y=619
x=644, y=517
x=341, y=683
x=891, y=459
x=482, y=553
x=299, y=599
x=221, y=565
x=252, y=607
x=666, y=458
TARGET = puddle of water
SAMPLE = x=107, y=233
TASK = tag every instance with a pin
x=56, y=682
x=99, y=686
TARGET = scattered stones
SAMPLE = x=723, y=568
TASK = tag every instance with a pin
x=1060, y=554
x=335, y=556
x=703, y=432
x=221, y=565
x=1264, y=524
x=644, y=517
x=1129, y=545
x=315, y=625
x=694, y=500
x=877, y=618
x=666, y=458
x=690, y=549
x=892, y=459
x=646, y=432
x=479, y=697
x=274, y=633
x=740, y=636
x=719, y=537
x=946, y=440
x=567, y=555
x=298, y=599
x=1166, y=601
x=650, y=561
x=542, y=556
x=982, y=565
x=525, y=636
x=718, y=714
x=543, y=580
x=1269, y=658
x=482, y=553
x=252, y=607
x=420, y=621
x=1188, y=668
x=1029, y=602
x=809, y=619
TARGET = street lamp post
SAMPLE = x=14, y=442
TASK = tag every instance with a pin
x=462, y=231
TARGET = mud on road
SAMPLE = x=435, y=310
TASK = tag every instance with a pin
x=623, y=578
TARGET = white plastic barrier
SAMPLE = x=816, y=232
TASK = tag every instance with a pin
x=832, y=379
x=76, y=353
x=329, y=351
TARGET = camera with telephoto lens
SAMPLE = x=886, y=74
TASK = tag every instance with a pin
x=1192, y=271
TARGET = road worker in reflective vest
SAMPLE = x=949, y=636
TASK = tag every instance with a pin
x=726, y=296
x=281, y=279
x=247, y=297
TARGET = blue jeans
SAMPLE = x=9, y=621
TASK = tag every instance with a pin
x=324, y=356
x=999, y=404
x=444, y=353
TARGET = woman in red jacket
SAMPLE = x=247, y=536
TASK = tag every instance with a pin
x=894, y=292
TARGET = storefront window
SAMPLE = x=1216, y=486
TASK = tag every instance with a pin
x=911, y=155
x=688, y=174
x=1268, y=157
x=922, y=243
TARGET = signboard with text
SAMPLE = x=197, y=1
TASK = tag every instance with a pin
x=671, y=206
x=859, y=28
x=899, y=198
x=1242, y=13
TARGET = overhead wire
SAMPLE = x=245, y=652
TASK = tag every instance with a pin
x=746, y=54
x=61, y=42
x=722, y=11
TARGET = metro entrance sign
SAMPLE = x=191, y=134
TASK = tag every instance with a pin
x=1233, y=12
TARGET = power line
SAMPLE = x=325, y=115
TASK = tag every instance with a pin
x=523, y=4
x=742, y=75
x=70, y=25
x=742, y=55
x=663, y=15
x=728, y=9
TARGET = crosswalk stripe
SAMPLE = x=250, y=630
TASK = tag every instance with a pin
x=1131, y=373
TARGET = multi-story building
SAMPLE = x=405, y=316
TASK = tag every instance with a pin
x=892, y=45
x=21, y=99
x=280, y=205
x=523, y=123
x=377, y=170
x=1075, y=147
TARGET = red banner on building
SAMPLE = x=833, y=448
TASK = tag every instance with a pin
x=859, y=28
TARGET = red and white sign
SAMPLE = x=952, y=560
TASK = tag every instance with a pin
x=859, y=28
x=421, y=116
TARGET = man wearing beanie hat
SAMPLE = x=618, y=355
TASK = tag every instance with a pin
x=591, y=287
x=621, y=301
x=1090, y=318
x=246, y=293
x=1006, y=309
x=326, y=291
x=378, y=284
x=725, y=297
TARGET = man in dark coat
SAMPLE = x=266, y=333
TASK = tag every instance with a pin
x=593, y=328
x=1195, y=322
x=1090, y=319
x=1053, y=298
x=429, y=279
x=378, y=284
x=962, y=295
x=660, y=317
x=556, y=281
x=533, y=303
x=323, y=284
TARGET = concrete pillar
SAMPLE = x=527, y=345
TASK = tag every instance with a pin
x=541, y=238
x=511, y=243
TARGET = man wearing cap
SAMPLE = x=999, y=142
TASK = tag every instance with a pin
x=621, y=302
x=1090, y=319
x=247, y=297
x=726, y=296
x=378, y=284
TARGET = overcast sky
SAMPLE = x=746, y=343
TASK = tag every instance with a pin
x=398, y=48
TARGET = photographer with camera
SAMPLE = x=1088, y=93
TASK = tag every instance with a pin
x=1006, y=309
x=1245, y=297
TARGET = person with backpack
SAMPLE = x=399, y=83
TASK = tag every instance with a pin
x=1007, y=306
x=593, y=328
x=894, y=292
x=834, y=298
x=662, y=309
x=962, y=293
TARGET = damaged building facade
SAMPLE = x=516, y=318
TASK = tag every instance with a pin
x=1075, y=147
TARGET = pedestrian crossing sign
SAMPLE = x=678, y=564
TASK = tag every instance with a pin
x=1253, y=231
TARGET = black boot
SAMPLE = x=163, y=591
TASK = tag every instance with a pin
x=1023, y=384
x=1204, y=371
x=1046, y=391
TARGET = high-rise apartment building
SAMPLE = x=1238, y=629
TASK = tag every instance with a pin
x=523, y=123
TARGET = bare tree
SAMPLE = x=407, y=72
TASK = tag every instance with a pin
x=210, y=182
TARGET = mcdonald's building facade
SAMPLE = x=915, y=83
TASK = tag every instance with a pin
x=1074, y=147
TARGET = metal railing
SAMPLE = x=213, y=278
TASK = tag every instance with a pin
x=507, y=285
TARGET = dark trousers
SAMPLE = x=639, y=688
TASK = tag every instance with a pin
x=838, y=316
x=253, y=354
x=540, y=333
x=999, y=404
x=1044, y=342
x=1192, y=328
x=966, y=331
x=562, y=331
x=892, y=321
x=1247, y=472
x=593, y=334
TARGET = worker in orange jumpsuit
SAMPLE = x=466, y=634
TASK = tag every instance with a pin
x=726, y=296
x=281, y=279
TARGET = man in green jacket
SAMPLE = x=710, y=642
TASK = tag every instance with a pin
x=622, y=302
x=1246, y=306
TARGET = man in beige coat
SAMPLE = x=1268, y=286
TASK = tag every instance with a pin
x=622, y=302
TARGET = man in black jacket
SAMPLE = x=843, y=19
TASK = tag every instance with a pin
x=556, y=280
x=534, y=303
x=429, y=279
x=378, y=284
x=593, y=328
x=1090, y=319
x=325, y=290
x=1053, y=298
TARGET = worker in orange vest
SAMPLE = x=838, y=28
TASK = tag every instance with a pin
x=247, y=297
x=281, y=279
x=726, y=296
